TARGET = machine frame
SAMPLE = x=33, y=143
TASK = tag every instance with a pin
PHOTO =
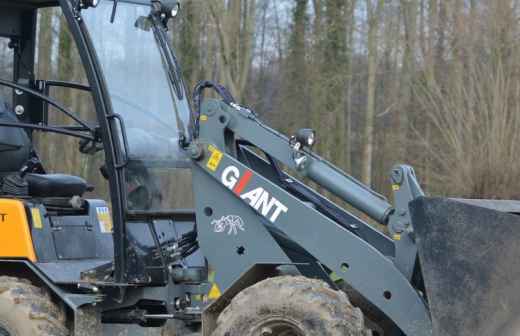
x=253, y=217
x=228, y=130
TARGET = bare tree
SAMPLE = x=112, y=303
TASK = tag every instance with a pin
x=374, y=12
x=235, y=25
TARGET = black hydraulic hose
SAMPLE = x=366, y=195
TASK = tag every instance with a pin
x=221, y=90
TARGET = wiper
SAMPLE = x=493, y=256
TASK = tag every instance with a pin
x=170, y=62
x=114, y=10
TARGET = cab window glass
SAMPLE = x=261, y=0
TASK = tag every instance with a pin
x=6, y=69
x=153, y=111
x=57, y=59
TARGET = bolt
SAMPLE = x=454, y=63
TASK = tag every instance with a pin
x=19, y=110
x=266, y=331
x=196, y=152
x=241, y=250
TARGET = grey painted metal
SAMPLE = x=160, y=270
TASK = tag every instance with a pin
x=214, y=201
x=372, y=274
x=406, y=189
x=221, y=249
x=245, y=125
x=367, y=232
x=355, y=194
x=248, y=127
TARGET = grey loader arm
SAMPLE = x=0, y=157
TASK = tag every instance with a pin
x=223, y=182
x=246, y=126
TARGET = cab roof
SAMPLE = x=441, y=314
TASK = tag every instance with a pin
x=49, y=3
x=28, y=3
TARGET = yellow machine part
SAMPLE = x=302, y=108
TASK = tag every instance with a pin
x=15, y=234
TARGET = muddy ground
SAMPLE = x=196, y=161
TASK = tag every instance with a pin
x=116, y=330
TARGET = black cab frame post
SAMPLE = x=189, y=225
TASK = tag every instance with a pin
x=114, y=154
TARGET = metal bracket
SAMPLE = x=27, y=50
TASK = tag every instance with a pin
x=406, y=189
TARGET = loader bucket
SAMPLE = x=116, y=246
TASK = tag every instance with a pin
x=470, y=257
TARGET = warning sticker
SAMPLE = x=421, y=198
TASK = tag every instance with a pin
x=215, y=158
x=214, y=293
x=104, y=219
x=36, y=218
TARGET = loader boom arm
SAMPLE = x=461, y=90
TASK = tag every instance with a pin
x=227, y=187
x=244, y=124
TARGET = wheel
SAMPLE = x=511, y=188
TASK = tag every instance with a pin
x=28, y=310
x=291, y=306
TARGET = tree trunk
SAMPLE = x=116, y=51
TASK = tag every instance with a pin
x=409, y=13
x=235, y=25
x=374, y=11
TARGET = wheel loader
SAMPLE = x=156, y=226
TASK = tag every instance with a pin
x=260, y=252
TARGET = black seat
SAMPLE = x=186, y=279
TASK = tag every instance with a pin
x=15, y=156
x=55, y=185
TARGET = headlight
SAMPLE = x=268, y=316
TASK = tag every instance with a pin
x=306, y=136
x=176, y=9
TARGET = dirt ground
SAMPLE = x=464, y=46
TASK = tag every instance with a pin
x=116, y=330
x=122, y=330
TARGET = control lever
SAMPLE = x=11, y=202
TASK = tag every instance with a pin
x=33, y=165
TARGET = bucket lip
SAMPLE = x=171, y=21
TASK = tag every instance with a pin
x=508, y=206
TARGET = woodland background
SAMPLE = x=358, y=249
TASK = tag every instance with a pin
x=431, y=83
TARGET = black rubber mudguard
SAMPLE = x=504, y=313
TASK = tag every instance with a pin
x=470, y=257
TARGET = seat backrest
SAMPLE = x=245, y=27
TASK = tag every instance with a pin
x=15, y=145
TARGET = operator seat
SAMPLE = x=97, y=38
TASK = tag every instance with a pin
x=15, y=153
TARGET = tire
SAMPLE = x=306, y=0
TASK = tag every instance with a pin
x=28, y=310
x=291, y=306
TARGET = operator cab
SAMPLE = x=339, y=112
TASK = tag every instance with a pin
x=101, y=101
x=49, y=147
x=86, y=104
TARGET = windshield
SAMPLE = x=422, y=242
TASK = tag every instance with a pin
x=152, y=104
x=153, y=109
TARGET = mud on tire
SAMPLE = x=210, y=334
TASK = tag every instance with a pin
x=28, y=310
x=291, y=306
